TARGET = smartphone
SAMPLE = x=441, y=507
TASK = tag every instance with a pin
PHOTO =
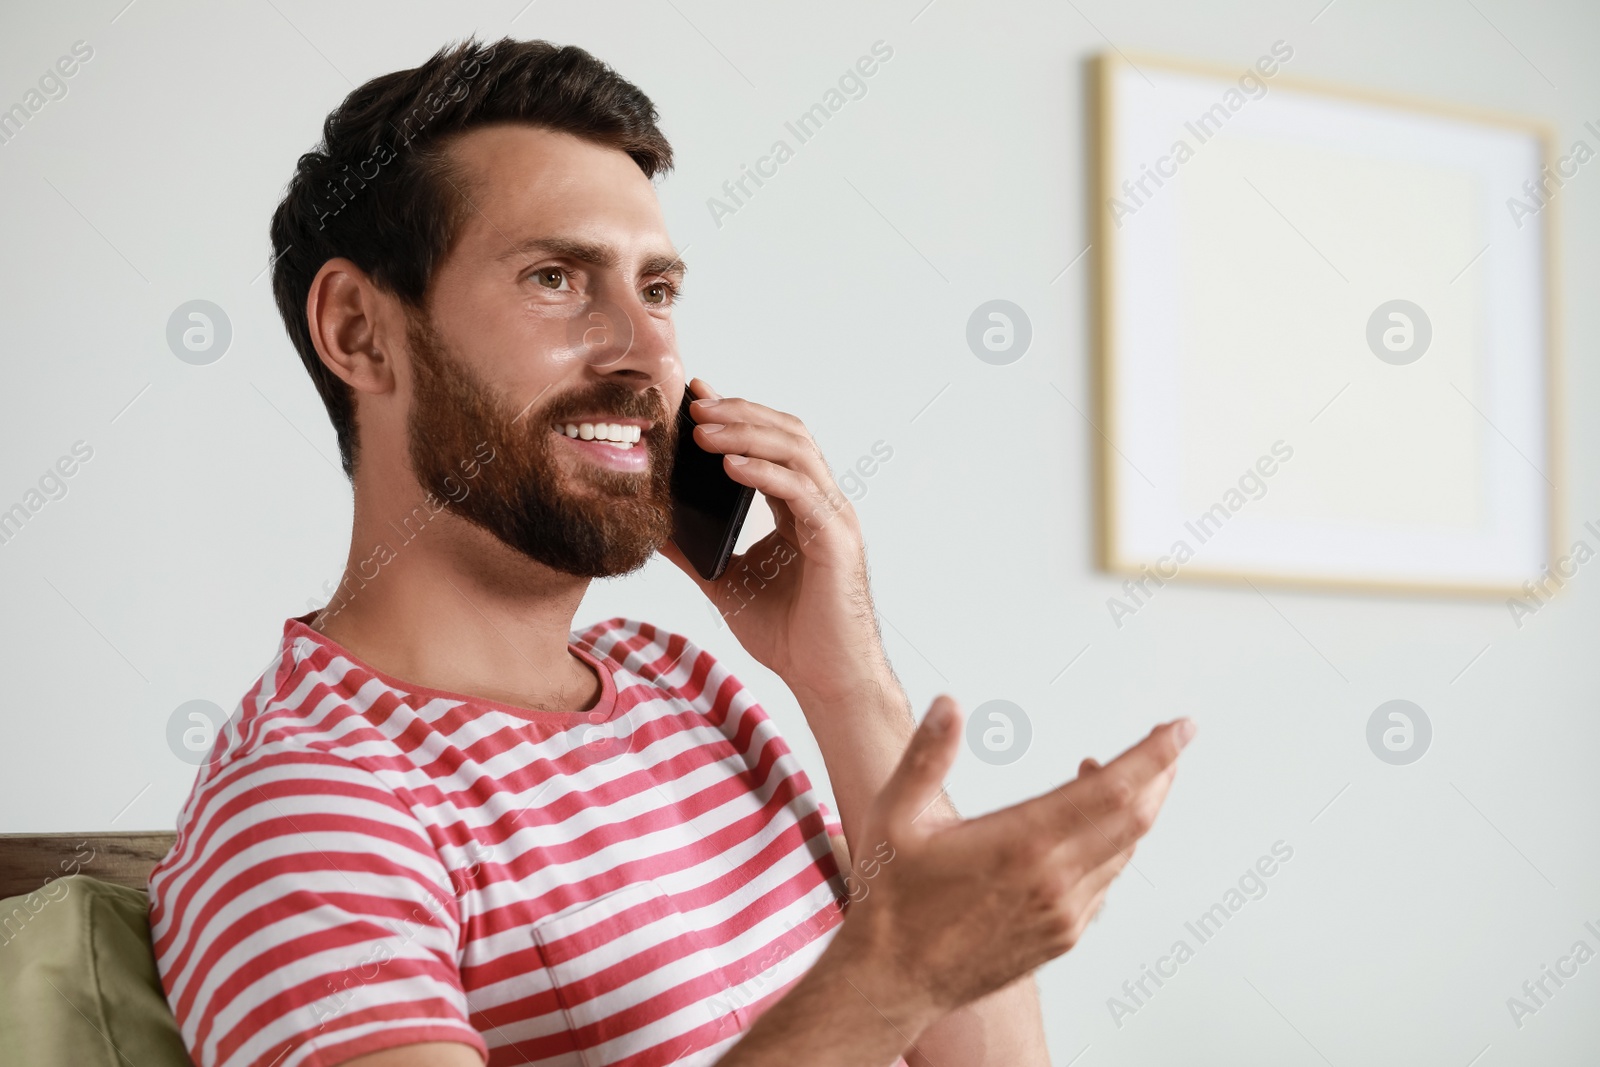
x=708, y=507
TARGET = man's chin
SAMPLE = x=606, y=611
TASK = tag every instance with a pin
x=598, y=488
x=616, y=564
x=600, y=535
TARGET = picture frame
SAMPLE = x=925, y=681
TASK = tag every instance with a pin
x=1325, y=332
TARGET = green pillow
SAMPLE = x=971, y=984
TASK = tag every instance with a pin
x=80, y=980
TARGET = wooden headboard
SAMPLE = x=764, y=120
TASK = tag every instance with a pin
x=28, y=861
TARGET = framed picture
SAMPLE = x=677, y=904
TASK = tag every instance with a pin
x=1325, y=331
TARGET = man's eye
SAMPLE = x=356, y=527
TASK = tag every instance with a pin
x=551, y=277
x=659, y=295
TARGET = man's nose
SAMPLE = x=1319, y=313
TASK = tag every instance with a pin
x=620, y=338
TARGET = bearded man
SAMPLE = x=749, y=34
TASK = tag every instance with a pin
x=445, y=827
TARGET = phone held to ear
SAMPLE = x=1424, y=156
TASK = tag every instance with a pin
x=708, y=507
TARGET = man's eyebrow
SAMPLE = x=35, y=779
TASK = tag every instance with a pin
x=568, y=247
x=591, y=253
x=667, y=266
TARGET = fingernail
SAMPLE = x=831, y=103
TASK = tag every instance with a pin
x=703, y=404
x=710, y=427
x=738, y=461
x=705, y=387
x=1186, y=732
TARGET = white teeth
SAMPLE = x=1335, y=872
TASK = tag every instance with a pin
x=615, y=433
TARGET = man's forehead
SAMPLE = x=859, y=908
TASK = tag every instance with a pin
x=527, y=184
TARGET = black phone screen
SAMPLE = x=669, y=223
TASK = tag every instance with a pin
x=708, y=507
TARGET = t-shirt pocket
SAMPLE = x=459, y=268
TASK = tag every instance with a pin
x=631, y=975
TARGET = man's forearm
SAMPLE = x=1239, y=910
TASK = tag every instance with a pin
x=861, y=735
x=1004, y=1029
x=828, y=1020
x=862, y=739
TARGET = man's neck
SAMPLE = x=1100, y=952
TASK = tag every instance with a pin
x=448, y=606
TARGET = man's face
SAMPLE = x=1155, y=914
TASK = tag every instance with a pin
x=553, y=311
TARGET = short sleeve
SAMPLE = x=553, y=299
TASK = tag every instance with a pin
x=304, y=918
x=830, y=821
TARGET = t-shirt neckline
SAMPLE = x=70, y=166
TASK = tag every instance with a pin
x=604, y=709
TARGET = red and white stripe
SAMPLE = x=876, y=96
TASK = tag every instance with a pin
x=365, y=864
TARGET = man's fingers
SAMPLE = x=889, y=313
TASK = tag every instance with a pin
x=1116, y=804
x=814, y=514
x=700, y=388
x=798, y=452
x=919, y=777
x=1156, y=752
x=1121, y=782
x=1083, y=899
x=736, y=409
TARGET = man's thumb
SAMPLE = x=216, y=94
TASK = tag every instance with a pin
x=916, y=782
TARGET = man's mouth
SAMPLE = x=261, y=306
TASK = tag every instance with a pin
x=620, y=435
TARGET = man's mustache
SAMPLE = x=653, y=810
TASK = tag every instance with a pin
x=613, y=402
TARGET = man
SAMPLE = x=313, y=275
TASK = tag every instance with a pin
x=445, y=827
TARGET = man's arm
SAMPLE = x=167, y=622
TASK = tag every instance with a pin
x=955, y=914
x=961, y=912
x=800, y=602
x=862, y=738
x=824, y=1021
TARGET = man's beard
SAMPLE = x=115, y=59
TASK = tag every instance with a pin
x=524, y=494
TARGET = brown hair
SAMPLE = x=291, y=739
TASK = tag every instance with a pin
x=382, y=190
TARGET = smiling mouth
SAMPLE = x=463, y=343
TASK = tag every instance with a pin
x=619, y=435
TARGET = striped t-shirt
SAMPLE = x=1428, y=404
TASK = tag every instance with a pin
x=365, y=863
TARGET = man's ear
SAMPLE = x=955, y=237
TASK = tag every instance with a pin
x=350, y=320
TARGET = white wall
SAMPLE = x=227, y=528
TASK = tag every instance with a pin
x=212, y=510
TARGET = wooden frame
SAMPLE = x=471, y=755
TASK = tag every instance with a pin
x=1110, y=473
x=30, y=861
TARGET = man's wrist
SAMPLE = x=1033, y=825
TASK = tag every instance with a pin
x=866, y=965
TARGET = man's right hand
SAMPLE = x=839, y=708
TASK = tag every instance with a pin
x=965, y=907
x=947, y=909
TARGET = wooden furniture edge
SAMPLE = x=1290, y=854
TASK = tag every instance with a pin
x=30, y=861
